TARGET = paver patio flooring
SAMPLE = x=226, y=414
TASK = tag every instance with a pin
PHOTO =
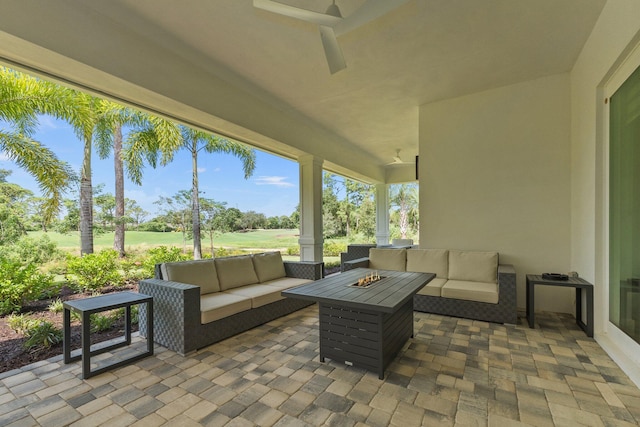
x=453, y=372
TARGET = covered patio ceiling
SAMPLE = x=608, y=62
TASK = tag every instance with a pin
x=262, y=78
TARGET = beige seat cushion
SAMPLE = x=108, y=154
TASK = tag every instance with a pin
x=260, y=294
x=388, y=259
x=287, y=282
x=199, y=273
x=235, y=271
x=268, y=266
x=221, y=304
x=473, y=266
x=429, y=261
x=471, y=291
x=433, y=288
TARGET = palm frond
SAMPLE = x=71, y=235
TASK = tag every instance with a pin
x=53, y=176
x=217, y=144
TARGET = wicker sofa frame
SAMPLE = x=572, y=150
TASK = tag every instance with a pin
x=505, y=311
x=176, y=314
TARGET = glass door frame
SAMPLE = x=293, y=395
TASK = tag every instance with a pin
x=617, y=77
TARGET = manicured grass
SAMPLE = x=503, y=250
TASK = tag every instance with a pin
x=260, y=239
x=139, y=241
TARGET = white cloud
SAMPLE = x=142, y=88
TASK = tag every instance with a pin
x=278, y=181
x=202, y=170
x=47, y=122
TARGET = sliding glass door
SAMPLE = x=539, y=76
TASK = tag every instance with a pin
x=624, y=207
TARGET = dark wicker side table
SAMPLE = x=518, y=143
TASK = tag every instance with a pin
x=86, y=307
x=572, y=282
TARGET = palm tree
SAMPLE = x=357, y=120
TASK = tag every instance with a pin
x=89, y=113
x=193, y=141
x=109, y=136
x=118, y=167
x=404, y=197
x=22, y=99
x=100, y=119
x=414, y=207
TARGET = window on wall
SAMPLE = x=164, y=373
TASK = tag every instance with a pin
x=624, y=207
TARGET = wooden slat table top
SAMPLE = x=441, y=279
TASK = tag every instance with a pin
x=386, y=295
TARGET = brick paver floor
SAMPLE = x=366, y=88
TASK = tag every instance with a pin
x=453, y=372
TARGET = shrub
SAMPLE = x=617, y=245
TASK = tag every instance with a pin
x=332, y=248
x=157, y=226
x=32, y=251
x=53, y=289
x=159, y=255
x=220, y=252
x=101, y=322
x=135, y=314
x=94, y=271
x=331, y=267
x=20, y=322
x=19, y=284
x=56, y=306
x=42, y=334
x=331, y=264
x=119, y=314
x=293, y=250
x=132, y=269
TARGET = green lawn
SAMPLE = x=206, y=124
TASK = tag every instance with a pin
x=138, y=241
x=261, y=239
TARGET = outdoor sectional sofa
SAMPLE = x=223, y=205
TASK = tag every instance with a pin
x=198, y=303
x=468, y=284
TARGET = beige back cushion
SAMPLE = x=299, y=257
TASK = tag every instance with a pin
x=402, y=242
x=199, y=273
x=235, y=271
x=473, y=266
x=268, y=266
x=429, y=261
x=388, y=259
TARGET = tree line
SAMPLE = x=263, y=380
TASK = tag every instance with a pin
x=349, y=209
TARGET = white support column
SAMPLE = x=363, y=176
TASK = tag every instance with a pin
x=310, y=208
x=382, y=214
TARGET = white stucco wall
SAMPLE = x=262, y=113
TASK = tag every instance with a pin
x=495, y=175
x=615, y=34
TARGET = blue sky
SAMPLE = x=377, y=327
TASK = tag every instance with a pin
x=272, y=189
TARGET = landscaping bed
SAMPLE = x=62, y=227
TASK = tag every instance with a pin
x=13, y=353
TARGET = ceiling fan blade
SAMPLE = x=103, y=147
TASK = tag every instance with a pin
x=332, y=49
x=400, y=163
x=297, y=13
x=369, y=11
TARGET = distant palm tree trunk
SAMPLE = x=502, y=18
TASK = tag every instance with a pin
x=118, y=237
x=195, y=203
x=86, y=201
x=404, y=221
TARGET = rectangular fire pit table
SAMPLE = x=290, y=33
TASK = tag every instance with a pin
x=88, y=306
x=363, y=327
